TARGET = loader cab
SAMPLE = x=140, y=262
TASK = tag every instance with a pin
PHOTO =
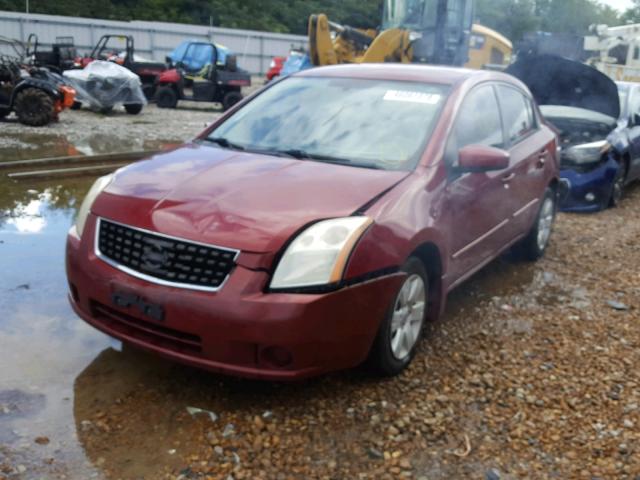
x=440, y=29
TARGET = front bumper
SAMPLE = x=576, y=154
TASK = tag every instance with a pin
x=239, y=330
x=589, y=191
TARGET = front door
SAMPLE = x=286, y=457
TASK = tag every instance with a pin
x=477, y=203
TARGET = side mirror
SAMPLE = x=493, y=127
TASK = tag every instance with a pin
x=635, y=120
x=478, y=158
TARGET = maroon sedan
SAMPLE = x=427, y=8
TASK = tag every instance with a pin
x=319, y=223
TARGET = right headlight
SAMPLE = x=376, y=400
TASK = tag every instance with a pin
x=318, y=255
x=587, y=153
x=83, y=212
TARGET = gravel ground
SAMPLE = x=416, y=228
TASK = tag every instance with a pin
x=532, y=373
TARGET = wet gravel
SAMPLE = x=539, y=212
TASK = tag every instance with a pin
x=532, y=373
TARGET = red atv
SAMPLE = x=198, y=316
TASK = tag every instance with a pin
x=215, y=82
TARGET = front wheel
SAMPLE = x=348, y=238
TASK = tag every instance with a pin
x=230, y=99
x=133, y=108
x=34, y=107
x=533, y=246
x=166, y=97
x=398, y=336
x=617, y=190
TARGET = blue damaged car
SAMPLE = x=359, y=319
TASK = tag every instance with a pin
x=598, y=123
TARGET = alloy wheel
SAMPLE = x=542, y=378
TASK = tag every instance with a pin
x=545, y=222
x=408, y=316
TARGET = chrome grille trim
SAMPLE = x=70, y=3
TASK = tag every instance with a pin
x=151, y=278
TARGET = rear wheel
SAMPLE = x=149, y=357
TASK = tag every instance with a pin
x=166, y=97
x=230, y=99
x=398, y=336
x=617, y=190
x=133, y=108
x=533, y=246
x=34, y=107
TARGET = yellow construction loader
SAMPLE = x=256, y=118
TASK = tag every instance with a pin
x=413, y=31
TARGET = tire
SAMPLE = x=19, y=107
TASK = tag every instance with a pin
x=4, y=112
x=34, y=107
x=617, y=189
x=230, y=99
x=389, y=355
x=166, y=97
x=76, y=105
x=533, y=246
x=133, y=108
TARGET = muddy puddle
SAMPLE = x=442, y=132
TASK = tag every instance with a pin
x=76, y=404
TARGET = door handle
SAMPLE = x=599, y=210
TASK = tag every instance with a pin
x=508, y=178
x=542, y=158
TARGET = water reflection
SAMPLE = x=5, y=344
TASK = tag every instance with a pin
x=43, y=346
x=24, y=146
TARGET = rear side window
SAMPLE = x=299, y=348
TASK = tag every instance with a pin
x=478, y=123
x=517, y=113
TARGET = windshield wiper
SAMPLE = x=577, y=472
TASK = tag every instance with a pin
x=224, y=143
x=304, y=155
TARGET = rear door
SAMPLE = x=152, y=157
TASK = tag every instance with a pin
x=477, y=203
x=528, y=151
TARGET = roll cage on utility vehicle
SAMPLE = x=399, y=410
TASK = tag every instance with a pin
x=62, y=55
x=121, y=50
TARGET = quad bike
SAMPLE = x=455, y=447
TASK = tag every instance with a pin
x=213, y=83
x=36, y=95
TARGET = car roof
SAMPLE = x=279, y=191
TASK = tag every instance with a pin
x=407, y=72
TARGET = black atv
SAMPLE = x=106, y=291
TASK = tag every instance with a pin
x=36, y=95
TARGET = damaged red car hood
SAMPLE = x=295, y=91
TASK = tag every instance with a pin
x=247, y=201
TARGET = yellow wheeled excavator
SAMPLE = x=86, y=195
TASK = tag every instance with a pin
x=413, y=31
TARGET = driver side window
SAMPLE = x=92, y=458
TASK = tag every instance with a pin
x=478, y=123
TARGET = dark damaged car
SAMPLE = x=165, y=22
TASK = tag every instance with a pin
x=598, y=123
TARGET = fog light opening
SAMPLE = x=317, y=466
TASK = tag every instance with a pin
x=278, y=357
x=590, y=197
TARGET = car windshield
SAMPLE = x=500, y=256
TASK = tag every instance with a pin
x=360, y=122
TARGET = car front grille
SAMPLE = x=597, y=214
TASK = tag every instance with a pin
x=162, y=259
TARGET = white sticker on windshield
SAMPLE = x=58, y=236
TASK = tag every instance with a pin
x=413, y=97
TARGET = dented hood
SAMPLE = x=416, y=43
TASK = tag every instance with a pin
x=555, y=80
x=247, y=201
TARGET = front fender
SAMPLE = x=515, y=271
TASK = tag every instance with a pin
x=384, y=247
x=39, y=84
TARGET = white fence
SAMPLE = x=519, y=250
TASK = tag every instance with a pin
x=151, y=39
